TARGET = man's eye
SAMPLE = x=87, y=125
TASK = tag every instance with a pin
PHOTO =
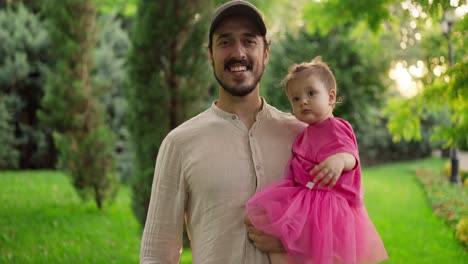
x=223, y=43
x=251, y=42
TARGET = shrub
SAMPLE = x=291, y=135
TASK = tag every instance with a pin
x=461, y=232
x=448, y=201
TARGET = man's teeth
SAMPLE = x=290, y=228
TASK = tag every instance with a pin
x=238, y=68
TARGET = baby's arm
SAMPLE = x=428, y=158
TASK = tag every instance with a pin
x=329, y=170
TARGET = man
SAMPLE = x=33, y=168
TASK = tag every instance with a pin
x=208, y=167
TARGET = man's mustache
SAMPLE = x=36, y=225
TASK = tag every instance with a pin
x=241, y=62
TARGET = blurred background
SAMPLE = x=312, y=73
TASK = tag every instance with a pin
x=89, y=88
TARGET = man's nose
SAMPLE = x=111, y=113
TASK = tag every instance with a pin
x=238, y=51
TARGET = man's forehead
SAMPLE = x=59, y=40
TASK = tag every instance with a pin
x=237, y=24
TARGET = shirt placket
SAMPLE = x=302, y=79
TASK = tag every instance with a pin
x=256, y=157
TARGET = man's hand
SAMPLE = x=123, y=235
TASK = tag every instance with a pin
x=262, y=241
x=329, y=170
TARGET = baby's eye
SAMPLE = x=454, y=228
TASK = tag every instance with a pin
x=311, y=93
x=295, y=99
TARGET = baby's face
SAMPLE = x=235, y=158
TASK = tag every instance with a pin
x=311, y=101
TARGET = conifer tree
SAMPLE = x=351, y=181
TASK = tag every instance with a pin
x=169, y=75
x=23, y=60
x=71, y=103
x=8, y=154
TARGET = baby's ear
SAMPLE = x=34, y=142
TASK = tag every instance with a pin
x=332, y=97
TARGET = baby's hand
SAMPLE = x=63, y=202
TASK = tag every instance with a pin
x=329, y=170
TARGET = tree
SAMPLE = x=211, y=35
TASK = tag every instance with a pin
x=443, y=87
x=71, y=103
x=9, y=155
x=108, y=77
x=23, y=62
x=168, y=78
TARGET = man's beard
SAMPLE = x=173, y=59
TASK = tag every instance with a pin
x=242, y=90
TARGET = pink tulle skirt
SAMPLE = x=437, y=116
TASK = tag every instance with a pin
x=316, y=225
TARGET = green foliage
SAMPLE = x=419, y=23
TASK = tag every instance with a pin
x=442, y=100
x=447, y=200
x=71, y=104
x=23, y=62
x=461, y=232
x=125, y=7
x=442, y=96
x=9, y=155
x=376, y=14
x=108, y=78
x=405, y=118
x=168, y=78
x=373, y=12
x=89, y=160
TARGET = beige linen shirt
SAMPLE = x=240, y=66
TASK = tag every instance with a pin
x=206, y=170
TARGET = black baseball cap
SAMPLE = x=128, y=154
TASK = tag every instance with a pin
x=237, y=8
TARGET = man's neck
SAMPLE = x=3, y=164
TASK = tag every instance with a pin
x=245, y=107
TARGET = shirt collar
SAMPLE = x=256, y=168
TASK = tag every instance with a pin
x=226, y=115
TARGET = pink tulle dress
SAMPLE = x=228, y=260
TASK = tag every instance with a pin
x=318, y=225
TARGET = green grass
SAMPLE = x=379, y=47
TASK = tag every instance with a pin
x=401, y=212
x=42, y=220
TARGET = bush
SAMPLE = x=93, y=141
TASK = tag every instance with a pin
x=448, y=201
x=461, y=232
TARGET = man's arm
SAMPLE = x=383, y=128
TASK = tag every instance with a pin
x=162, y=236
x=262, y=241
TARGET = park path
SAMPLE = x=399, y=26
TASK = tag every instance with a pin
x=462, y=158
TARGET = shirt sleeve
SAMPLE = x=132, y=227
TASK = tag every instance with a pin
x=342, y=139
x=162, y=236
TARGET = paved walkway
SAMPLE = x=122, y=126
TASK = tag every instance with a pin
x=462, y=158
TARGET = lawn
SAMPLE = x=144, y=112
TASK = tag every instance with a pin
x=401, y=212
x=42, y=220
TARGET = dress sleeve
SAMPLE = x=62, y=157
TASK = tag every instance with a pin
x=342, y=139
x=162, y=236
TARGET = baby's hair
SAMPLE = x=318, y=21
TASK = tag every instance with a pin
x=315, y=67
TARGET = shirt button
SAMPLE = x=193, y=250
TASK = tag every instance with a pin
x=258, y=167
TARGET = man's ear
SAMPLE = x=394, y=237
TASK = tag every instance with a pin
x=266, y=55
x=210, y=55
